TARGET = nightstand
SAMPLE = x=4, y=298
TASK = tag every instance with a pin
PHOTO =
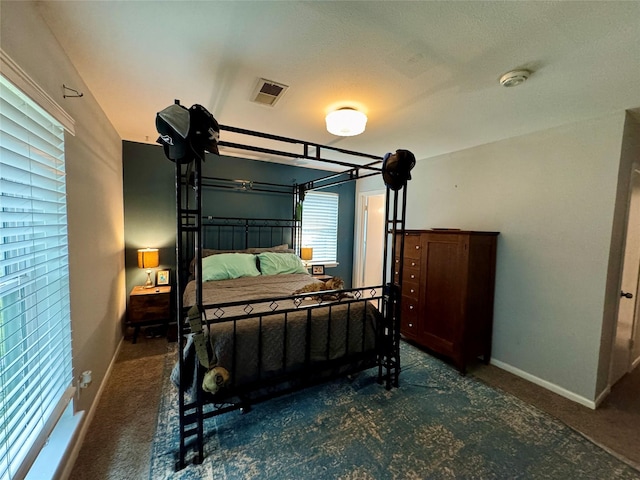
x=148, y=306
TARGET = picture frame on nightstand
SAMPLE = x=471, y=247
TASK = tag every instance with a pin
x=162, y=277
x=317, y=270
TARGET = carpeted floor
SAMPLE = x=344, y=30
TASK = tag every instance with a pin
x=118, y=443
x=614, y=425
x=438, y=425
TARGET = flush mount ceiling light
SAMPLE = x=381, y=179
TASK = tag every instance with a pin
x=346, y=122
x=514, y=78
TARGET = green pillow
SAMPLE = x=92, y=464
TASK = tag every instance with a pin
x=272, y=263
x=227, y=266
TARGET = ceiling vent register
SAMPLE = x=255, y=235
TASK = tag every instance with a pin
x=268, y=92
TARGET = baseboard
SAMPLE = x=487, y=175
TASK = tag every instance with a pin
x=607, y=390
x=603, y=395
x=545, y=384
x=79, y=439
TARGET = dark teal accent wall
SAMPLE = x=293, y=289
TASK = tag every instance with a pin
x=150, y=207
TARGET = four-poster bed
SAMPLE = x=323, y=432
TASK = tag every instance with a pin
x=247, y=337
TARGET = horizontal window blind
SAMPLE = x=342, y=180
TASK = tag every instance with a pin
x=320, y=226
x=35, y=328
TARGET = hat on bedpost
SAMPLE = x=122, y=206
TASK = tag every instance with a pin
x=173, y=124
x=204, y=130
x=396, y=168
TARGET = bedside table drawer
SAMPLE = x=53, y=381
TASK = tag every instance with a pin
x=147, y=308
x=146, y=305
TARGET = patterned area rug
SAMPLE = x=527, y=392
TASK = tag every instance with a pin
x=437, y=425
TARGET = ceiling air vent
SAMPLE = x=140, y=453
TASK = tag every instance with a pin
x=268, y=92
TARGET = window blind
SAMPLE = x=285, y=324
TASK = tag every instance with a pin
x=35, y=329
x=320, y=226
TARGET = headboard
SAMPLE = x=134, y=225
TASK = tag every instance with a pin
x=232, y=233
x=236, y=233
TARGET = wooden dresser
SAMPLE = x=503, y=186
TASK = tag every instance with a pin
x=447, y=292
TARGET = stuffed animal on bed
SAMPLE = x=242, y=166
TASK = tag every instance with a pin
x=334, y=283
x=215, y=379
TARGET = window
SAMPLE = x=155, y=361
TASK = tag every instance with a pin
x=35, y=329
x=320, y=226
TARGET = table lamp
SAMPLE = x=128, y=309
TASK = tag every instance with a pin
x=148, y=258
x=306, y=254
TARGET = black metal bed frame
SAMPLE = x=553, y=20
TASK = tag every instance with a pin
x=193, y=236
x=221, y=233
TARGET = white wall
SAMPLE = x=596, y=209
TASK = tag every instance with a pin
x=552, y=196
x=94, y=191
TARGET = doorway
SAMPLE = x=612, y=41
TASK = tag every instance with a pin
x=626, y=349
x=369, y=245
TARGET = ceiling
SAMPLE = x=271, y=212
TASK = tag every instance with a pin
x=425, y=73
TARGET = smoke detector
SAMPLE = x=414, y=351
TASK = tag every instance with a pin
x=268, y=92
x=514, y=78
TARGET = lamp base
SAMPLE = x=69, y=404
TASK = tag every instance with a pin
x=149, y=283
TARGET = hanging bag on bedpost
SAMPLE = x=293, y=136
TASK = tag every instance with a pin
x=215, y=377
x=195, y=322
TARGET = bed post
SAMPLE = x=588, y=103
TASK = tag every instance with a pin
x=296, y=228
x=389, y=363
x=188, y=245
x=179, y=307
x=398, y=285
x=197, y=243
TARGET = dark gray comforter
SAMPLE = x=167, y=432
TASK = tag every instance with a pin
x=268, y=343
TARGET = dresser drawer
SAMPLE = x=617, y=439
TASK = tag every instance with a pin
x=412, y=248
x=410, y=270
x=411, y=290
x=396, y=270
x=411, y=263
x=409, y=316
x=410, y=275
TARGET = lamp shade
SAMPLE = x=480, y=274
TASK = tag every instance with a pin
x=306, y=253
x=148, y=258
x=346, y=122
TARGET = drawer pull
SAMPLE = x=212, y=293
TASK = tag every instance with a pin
x=412, y=290
x=411, y=325
x=413, y=264
x=417, y=247
x=413, y=276
x=410, y=307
